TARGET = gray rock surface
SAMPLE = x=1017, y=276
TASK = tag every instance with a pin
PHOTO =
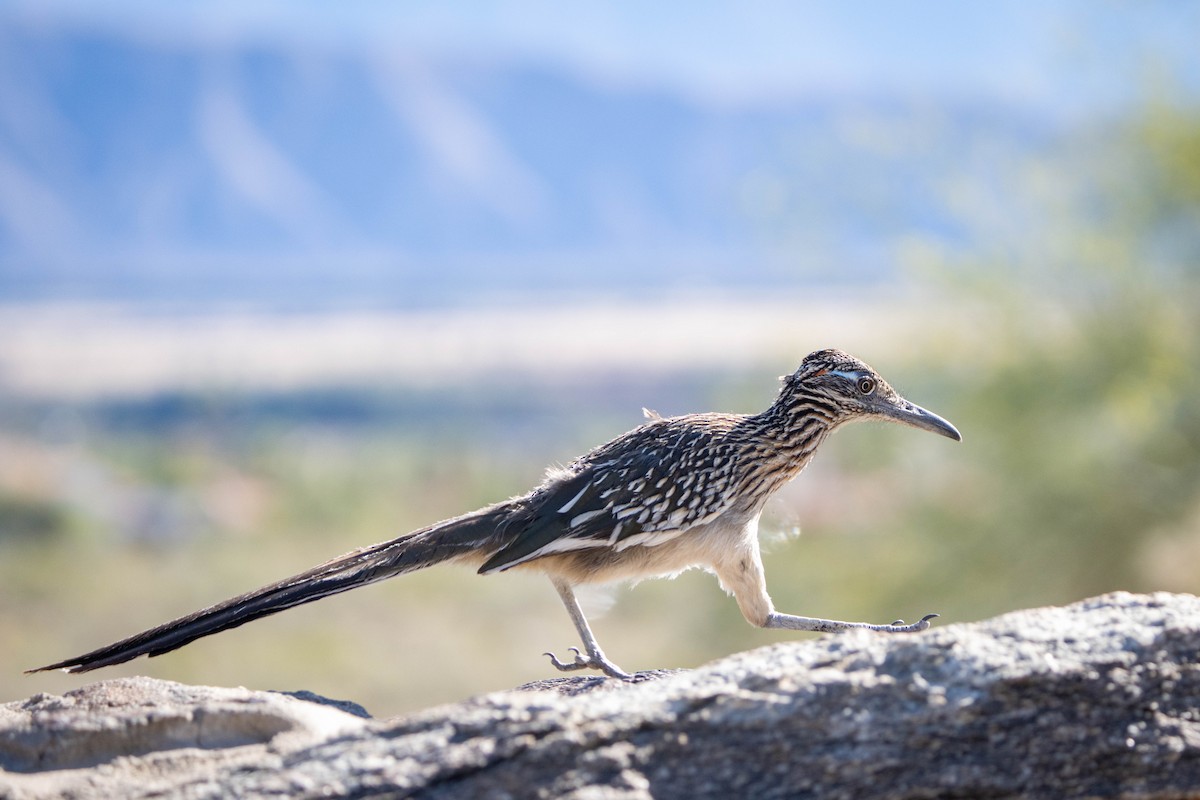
x=1097, y=699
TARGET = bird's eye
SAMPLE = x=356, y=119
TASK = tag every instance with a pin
x=866, y=385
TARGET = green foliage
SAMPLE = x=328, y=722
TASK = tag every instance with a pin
x=1087, y=433
x=30, y=518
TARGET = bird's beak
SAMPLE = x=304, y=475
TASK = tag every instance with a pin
x=913, y=415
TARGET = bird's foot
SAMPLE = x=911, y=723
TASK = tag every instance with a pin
x=595, y=660
x=899, y=627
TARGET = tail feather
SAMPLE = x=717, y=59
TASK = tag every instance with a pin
x=442, y=541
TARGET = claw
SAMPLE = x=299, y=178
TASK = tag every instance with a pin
x=899, y=626
x=581, y=661
x=919, y=625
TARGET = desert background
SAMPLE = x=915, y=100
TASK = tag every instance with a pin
x=279, y=281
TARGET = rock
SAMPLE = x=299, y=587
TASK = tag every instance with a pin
x=1097, y=699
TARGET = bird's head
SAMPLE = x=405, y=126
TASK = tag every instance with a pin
x=844, y=389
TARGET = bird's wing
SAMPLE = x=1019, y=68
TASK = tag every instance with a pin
x=642, y=495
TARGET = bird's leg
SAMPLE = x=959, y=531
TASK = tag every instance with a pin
x=595, y=658
x=742, y=575
x=794, y=623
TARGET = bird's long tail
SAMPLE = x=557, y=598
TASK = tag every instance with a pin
x=468, y=535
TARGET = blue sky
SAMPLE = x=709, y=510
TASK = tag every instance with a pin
x=1013, y=50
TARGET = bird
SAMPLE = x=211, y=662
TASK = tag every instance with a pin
x=671, y=494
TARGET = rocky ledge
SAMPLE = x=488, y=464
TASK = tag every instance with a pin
x=1097, y=699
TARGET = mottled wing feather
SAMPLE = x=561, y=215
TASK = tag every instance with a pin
x=568, y=514
x=641, y=489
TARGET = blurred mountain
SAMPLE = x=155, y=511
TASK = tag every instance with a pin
x=142, y=170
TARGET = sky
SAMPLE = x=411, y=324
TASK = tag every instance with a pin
x=726, y=52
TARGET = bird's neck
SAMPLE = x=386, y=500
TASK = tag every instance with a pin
x=792, y=429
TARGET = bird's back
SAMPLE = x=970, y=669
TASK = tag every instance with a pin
x=642, y=490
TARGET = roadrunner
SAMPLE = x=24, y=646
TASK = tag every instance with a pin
x=674, y=493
